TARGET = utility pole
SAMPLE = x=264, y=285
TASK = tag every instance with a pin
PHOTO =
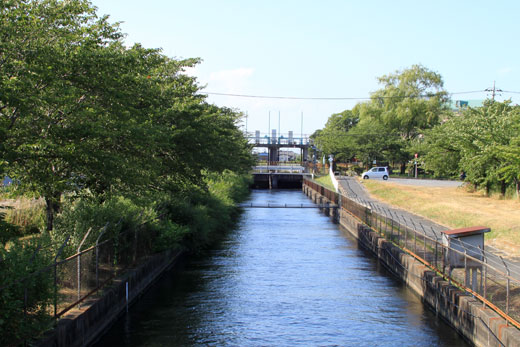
x=493, y=91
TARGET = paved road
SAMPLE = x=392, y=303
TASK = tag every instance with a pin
x=351, y=187
x=424, y=183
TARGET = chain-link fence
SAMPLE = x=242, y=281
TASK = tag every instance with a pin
x=72, y=280
x=483, y=274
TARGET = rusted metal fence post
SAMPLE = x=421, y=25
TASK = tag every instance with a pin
x=79, y=264
x=25, y=299
x=56, y=275
x=436, y=247
x=415, y=242
x=97, y=251
x=386, y=225
x=508, y=285
x=366, y=215
x=405, y=229
x=483, y=277
x=424, y=231
x=466, y=274
x=391, y=226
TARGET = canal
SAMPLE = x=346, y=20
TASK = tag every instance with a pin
x=284, y=277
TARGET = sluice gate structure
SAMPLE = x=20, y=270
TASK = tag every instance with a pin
x=281, y=169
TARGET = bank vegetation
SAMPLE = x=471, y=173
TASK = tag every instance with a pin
x=94, y=135
x=410, y=120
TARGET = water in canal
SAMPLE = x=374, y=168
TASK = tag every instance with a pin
x=285, y=277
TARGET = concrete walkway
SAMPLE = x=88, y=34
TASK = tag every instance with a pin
x=350, y=187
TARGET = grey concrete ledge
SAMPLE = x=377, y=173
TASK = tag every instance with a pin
x=83, y=326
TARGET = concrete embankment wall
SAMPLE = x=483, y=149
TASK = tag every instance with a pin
x=479, y=325
x=82, y=326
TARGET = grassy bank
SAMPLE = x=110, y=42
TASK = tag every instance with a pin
x=456, y=208
x=326, y=181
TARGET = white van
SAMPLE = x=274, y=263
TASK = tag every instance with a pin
x=376, y=172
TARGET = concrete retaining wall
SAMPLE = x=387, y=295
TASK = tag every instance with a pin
x=82, y=326
x=481, y=326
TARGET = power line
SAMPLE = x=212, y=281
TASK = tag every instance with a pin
x=493, y=91
x=335, y=98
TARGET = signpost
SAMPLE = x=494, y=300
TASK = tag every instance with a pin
x=415, y=162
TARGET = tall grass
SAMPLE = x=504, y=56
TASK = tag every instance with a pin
x=21, y=217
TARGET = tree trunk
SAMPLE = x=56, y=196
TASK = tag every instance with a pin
x=52, y=208
x=488, y=188
x=503, y=187
x=517, y=189
x=403, y=168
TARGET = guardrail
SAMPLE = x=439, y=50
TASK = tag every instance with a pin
x=482, y=274
x=278, y=168
x=280, y=140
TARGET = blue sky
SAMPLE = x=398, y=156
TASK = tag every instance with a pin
x=326, y=48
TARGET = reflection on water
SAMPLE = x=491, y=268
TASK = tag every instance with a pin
x=285, y=277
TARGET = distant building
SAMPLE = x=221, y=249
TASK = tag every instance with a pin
x=459, y=105
x=286, y=155
x=262, y=156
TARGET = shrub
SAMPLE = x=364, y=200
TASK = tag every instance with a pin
x=19, y=279
x=117, y=213
x=169, y=235
x=28, y=215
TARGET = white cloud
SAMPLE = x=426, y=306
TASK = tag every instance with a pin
x=505, y=71
x=192, y=71
x=230, y=81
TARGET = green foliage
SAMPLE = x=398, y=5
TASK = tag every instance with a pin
x=412, y=100
x=28, y=216
x=110, y=136
x=333, y=139
x=8, y=231
x=205, y=213
x=79, y=110
x=20, y=279
x=170, y=235
x=228, y=187
x=387, y=127
x=482, y=142
x=117, y=214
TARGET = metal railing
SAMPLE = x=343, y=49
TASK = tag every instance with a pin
x=282, y=139
x=283, y=168
x=482, y=274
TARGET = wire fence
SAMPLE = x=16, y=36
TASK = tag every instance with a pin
x=80, y=276
x=483, y=274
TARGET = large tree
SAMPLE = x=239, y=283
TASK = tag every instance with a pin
x=333, y=139
x=389, y=125
x=482, y=142
x=79, y=110
x=411, y=100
